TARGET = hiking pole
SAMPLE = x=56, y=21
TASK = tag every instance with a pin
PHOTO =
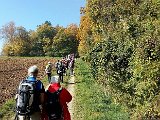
x=16, y=117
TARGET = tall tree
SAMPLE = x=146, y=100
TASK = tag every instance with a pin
x=46, y=33
x=22, y=36
x=8, y=31
x=85, y=33
x=17, y=40
x=65, y=41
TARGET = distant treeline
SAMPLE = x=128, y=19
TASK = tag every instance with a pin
x=121, y=40
x=46, y=40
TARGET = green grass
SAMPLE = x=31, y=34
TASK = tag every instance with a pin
x=91, y=103
x=7, y=109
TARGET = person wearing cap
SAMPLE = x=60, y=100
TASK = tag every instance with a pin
x=48, y=71
x=64, y=96
x=40, y=92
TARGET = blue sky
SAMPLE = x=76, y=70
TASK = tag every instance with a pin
x=30, y=13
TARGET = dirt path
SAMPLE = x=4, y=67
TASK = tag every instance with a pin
x=71, y=90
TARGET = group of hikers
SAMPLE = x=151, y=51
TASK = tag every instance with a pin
x=61, y=67
x=34, y=102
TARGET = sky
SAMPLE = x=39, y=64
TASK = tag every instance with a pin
x=30, y=13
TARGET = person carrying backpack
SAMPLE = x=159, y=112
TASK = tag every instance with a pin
x=30, y=97
x=57, y=65
x=64, y=61
x=48, y=71
x=71, y=66
x=60, y=70
x=57, y=98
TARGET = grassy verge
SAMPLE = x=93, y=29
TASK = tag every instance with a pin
x=7, y=110
x=91, y=103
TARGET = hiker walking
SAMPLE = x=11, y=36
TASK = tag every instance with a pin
x=71, y=66
x=30, y=97
x=60, y=69
x=64, y=61
x=57, y=98
x=56, y=65
x=48, y=71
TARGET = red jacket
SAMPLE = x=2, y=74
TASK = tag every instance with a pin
x=65, y=97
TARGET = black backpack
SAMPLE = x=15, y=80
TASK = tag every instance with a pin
x=48, y=68
x=26, y=97
x=60, y=68
x=53, y=107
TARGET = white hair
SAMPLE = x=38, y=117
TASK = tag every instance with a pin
x=55, y=79
x=32, y=69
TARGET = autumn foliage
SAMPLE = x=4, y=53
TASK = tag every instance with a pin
x=121, y=41
x=41, y=42
x=125, y=53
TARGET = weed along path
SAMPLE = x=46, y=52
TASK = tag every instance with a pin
x=70, y=88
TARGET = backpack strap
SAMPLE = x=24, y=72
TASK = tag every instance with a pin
x=20, y=85
x=46, y=89
x=27, y=81
x=30, y=81
x=59, y=90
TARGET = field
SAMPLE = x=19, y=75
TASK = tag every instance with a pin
x=13, y=70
